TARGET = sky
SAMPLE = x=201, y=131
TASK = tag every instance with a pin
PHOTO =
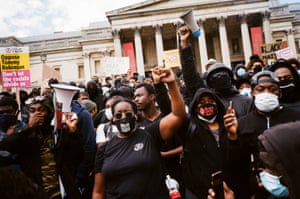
x=22, y=18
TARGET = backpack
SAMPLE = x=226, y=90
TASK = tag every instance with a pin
x=108, y=131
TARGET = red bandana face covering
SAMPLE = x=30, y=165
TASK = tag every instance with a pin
x=207, y=111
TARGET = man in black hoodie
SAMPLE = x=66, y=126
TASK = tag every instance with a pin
x=280, y=154
x=219, y=78
x=289, y=81
x=243, y=152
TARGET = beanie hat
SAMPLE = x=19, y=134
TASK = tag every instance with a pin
x=216, y=68
x=8, y=101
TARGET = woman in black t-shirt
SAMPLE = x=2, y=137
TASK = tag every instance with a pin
x=128, y=166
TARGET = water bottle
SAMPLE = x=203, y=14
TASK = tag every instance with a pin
x=173, y=188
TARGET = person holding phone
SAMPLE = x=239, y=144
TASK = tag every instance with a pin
x=228, y=193
x=204, y=138
x=243, y=161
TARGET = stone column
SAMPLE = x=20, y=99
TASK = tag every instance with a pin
x=291, y=41
x=139, y=52
x=202, y=46
x=224, y=42
x=245, y=37
x=177, y=25
x=117, y=43
x=87, y=67
x=266, y=27
x=159, y=45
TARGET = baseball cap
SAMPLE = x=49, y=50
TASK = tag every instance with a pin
x=255, y=80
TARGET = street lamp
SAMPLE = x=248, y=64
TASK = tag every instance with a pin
x=43, y=58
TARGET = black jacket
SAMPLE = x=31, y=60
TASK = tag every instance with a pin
x=193, y=81
x=202, y=154
x=239, y=152
x=281, y=146
x=27, y=143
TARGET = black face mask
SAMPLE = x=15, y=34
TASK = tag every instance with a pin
x=221, y=81
x=92, y=90
x=6, y=121
x=288, y=91
x=126, y=125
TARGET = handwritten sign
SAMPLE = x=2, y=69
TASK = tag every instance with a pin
x=285, y=53
x=115, y=65
x=171, y=58
x=268, y=51
x=15, y=68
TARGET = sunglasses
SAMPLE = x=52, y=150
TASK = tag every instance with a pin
x=127, y=115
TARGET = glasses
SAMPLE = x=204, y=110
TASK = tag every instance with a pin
x=127, y=115
x=35, y=99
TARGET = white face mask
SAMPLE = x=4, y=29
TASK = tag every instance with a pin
x=266, y=102
x=108, y=113
x=207, y=120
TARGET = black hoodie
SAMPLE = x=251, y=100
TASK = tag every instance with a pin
x=281, y=146
x=202, y=154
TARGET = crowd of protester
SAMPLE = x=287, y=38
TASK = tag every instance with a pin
x=158, y=137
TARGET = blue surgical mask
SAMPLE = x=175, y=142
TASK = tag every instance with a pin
x=6, y=121
x=246, y=92
x=272, y=184
x=241, y=72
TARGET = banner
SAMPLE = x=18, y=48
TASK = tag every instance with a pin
x=257, y=39
x=171, y=58
x=128, y=51
x=15, y=67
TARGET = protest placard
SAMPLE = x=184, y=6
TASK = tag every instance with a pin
x=171, y=58
x=115, y=65
x=285, y=53
x=15, y=67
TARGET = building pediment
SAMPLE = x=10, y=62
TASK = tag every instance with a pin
x=10, y=41
x=154, y=6
x=157, y=12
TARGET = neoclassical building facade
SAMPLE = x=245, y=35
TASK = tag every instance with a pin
x=149, y=28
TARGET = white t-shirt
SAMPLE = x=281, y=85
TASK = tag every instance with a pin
x=101, y=136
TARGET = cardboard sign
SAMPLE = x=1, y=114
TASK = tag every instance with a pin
x=171, y=58
x=268, y=51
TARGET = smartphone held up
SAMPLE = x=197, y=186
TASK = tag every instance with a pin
x=217, y=184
